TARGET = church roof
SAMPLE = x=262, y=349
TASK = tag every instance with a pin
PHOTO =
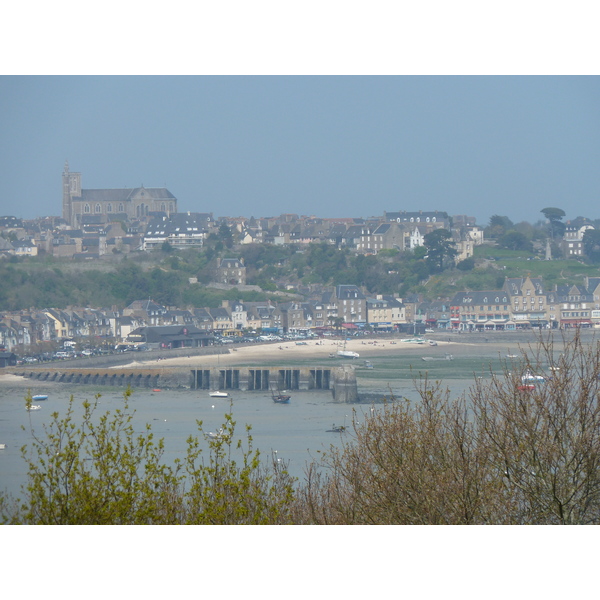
x=126, y=194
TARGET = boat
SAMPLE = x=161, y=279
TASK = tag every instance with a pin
x=39, y=397
x=2, y=446
x=280, y=397
x=337, y=429
x=445, y=357
x=343, y=353
x=218, y=394
x=512, y=356
x=33, y=407
x=529, y=377
x=526, y=388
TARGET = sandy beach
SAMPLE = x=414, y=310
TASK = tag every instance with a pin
x=320, y=351
x=494, y=344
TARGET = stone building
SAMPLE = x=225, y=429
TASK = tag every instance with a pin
x=231, y=271
x=94, y=207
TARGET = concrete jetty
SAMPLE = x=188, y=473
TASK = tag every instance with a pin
x=340, y=380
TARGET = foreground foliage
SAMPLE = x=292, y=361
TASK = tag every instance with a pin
x=505, y=453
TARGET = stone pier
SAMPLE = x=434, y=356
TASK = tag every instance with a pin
x=340, y=380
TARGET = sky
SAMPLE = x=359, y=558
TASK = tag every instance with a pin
x=329, y=146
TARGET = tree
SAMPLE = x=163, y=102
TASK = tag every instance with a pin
x=554, y=216
x=440, y=248
x=591, y=244
x=507, y=452
x=225, y=235
x=513, y=240
x=411, y=465
x=498, y=226
x=468, y=264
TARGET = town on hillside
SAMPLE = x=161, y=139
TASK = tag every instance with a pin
x=98, y=224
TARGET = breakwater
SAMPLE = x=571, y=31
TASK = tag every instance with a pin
x=340, y=380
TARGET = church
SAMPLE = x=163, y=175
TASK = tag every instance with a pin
x=95, y=207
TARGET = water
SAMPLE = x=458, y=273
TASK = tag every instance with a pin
x=291, y=429
x=297, y=431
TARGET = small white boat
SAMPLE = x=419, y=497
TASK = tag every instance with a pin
x=33, y=407
x=445, y=357
x=343, y=353
x=39, y=397
x=529, y=377
x=218, y=394
x=2, y=446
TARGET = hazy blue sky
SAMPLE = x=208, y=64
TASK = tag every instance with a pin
x=315, y=145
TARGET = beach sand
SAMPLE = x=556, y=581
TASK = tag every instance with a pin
x=319, y=351
x=367, y=348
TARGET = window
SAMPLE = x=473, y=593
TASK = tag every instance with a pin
x=121, y=208
x=98, y=208
x=86, y=208
x=109, y=208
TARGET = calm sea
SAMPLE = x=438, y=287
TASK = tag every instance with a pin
x=297, y=431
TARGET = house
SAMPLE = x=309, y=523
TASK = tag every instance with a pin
x=147, y=310
x=480, y=311
x=351, y=304
x=25, y=248
x=531, y=306
x=572, y=241
x=7, y=359
x=182, y=230
x=231, y=271
x=384, y=313
x=575, y=304
x=221, y=318
x=386, y=236
x=297, y=317
x=264, y=316
x=203, y=319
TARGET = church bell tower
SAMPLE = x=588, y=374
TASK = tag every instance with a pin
x=71, y=183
